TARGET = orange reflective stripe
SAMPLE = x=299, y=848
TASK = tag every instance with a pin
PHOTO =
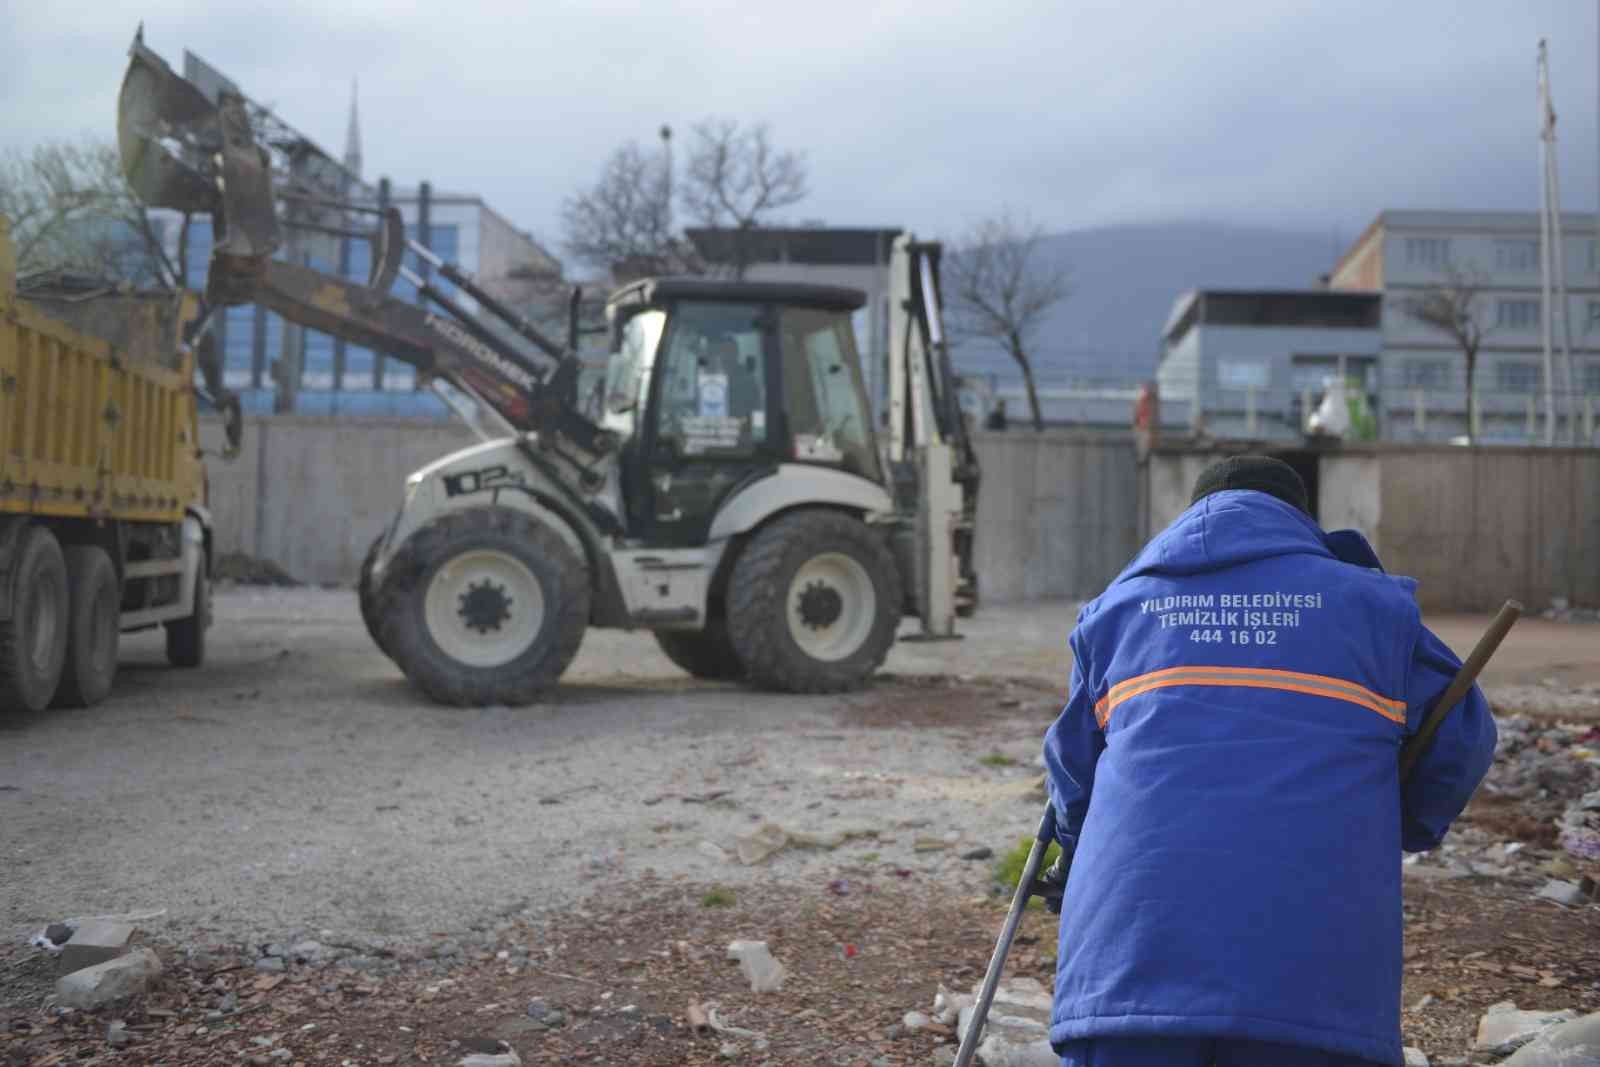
x=1250, y=678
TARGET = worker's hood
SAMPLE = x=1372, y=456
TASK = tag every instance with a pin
x=1240, y=525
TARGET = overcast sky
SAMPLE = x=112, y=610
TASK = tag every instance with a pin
x=910, y=112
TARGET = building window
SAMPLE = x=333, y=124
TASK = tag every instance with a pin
x=1427, y=251
x=1594, y=257
x=1516, y=314
x=1242, y=374
x=1426, y=373
x=1591, y=316
x=1591, y=379
x=1517, y=377
x=1518, y=256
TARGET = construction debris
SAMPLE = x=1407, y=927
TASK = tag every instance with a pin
x=764, y=973
x=1572, y=1044
x=103, y=983
x=1503, y=1029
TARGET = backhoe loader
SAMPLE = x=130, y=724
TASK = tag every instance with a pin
x=729, y=491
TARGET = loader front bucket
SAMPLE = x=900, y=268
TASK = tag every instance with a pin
x=163, y=122
x=181, y=150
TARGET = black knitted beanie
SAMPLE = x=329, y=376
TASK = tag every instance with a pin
x=1261, y=473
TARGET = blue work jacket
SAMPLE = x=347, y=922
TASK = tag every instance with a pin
x=1225, y=774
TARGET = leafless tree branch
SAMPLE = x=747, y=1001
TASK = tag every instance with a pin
x=1000, y=288
x=1453, y=307
x=71, y=209
x=736, y=179
x=625, y=222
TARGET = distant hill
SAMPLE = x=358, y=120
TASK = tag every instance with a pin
x=1125, y=279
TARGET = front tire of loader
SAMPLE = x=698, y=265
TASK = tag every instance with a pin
x=92, y=635
x=33, y=642
x=484, y=606
x=707, y=653
x=368, y=596
x=814, y=603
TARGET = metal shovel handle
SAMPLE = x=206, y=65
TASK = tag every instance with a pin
x=997, y=962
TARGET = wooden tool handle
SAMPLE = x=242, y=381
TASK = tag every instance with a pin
x=1413, y=749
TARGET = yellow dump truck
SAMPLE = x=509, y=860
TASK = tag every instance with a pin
x=103, y=520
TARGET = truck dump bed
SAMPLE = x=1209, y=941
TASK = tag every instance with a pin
x=97, y=407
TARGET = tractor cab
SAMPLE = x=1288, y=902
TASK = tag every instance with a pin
x=711, y=384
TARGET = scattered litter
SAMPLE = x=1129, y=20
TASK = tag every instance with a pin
x=699, y=1021
x=765, y=840
x=764, y=973
x=507, y=1057
x=715, y=1022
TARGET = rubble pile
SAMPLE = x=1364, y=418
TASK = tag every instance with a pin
x=1536, y=819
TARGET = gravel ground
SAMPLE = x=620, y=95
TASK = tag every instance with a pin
x=298, y=783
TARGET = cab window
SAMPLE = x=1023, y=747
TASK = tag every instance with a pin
x=628, y=371
x=822, y=389
x=712, y=396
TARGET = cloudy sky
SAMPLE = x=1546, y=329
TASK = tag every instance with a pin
x=926, y=113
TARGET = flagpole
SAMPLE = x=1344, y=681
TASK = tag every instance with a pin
x=1545, y=134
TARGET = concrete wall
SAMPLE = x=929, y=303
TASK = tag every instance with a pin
x=1478, y=526
x=1057, y=513
x=1473, y=526
x=311, y=494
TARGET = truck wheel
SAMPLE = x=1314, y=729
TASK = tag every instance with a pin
x=368, y=597
x=814, y=603
x=706, y=653
x=484, y=606
x=33, y=642
x=186, y=638
x=92, y=632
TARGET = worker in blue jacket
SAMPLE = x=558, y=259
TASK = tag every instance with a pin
x=1226, y=791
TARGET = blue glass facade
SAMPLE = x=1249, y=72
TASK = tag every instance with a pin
x=336, y=378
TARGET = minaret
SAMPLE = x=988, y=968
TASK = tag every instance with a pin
x=352, y=137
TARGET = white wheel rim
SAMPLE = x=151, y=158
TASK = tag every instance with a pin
x=831, y=606
x=483, y=608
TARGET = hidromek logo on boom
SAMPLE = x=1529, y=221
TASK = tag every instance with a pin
x=483, y=352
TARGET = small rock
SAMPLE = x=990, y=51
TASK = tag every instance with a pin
x=94, y=941
x=280, y=1054
x=982, y=852
x=105, y=982
x=1567, y=894
x=274, y=949
x=914, y=1020
x=229, y=1002
x=929, y=844
x=117, y=1034
x=1422, y=1004
x=729, y=1051
x=764, y=841
x=58, y=933
x=538, y=1010
x=944, y=1056
x=555, y=1019
x=1415, y=1057
x=506, y=1057
x=307, y=951
x=271, y=964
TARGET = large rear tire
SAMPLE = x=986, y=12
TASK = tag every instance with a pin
x=484, y=606
x=368, y=596
x=707, y=653
x=33, y=642
x=814, y=603
x=186, y=638
x=92, y=634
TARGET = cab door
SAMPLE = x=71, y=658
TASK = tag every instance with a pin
x=711, y=418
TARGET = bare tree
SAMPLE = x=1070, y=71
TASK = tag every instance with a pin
x=1453, y=308
x=71, y=209
x=624, y=223
x=1000, y=286
x=736, y=179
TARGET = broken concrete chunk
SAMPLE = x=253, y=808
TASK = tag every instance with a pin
x=764, y=973
x=1415, y=1057
x=123, y=976
x=94, y=941
x=1503, y=1029
x=1017, y=1032
x=1567, y=894
x=1573, y=1044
